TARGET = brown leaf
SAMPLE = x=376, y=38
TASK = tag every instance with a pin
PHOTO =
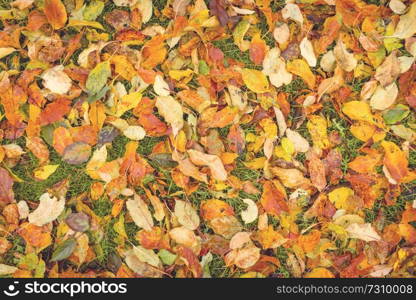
x=6, y=187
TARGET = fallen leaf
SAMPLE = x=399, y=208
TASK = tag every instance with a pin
x=250, y=214
x=346, y=60
x=140, y=213
x=171, y=110
x=363, y=232
x=212, y=161
x=255, y=80
x=55, y=13
x=48, y=210
x=187, y=215
x=6, y=187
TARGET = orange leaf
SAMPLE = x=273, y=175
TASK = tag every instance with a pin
x=395, y=161
x=273, y=199
x=55, y=13
x=55, y=111
x=211, y=209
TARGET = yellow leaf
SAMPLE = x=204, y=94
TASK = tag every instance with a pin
x=301, y=68
x=44, y=172
x=317, y=127
x=358, y=111
x=179, y=74
x=395, y=161
x=255, y=80
x=85, y=23
x=362, y=130
x=55, y=13
x=6, y=51
x=320, y=273
x=97, y=160
x=339, y=197
x=269, y=127
x=97, y=115
x=123, y=67
x=128, y=102
x=257, y=163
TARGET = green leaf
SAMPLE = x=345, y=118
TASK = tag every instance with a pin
x=40, y=269
x=93, y=10
x=98, y=95
x=239, y=33
x=396, y=114
x=98, y=76
x=167, y=257
x=64, y=250
x=29, y=262
x=203, y=67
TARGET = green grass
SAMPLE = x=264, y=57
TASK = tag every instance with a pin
x=232, y=51
x=31, y=189
x=18, y=247
x=108, y=244
x=218, y=269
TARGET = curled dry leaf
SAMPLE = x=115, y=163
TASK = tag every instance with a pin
x=7, y=270
x=299, y=142
x=212, y=161
x=281, y=33
x=397, y=6
x=389, y=70
x=407, y=24
x=48, y=210
x=385, y=97
x=345, y=60
x=292, y=11
x=251, y=213
x=139, y=267
x=146, y=9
